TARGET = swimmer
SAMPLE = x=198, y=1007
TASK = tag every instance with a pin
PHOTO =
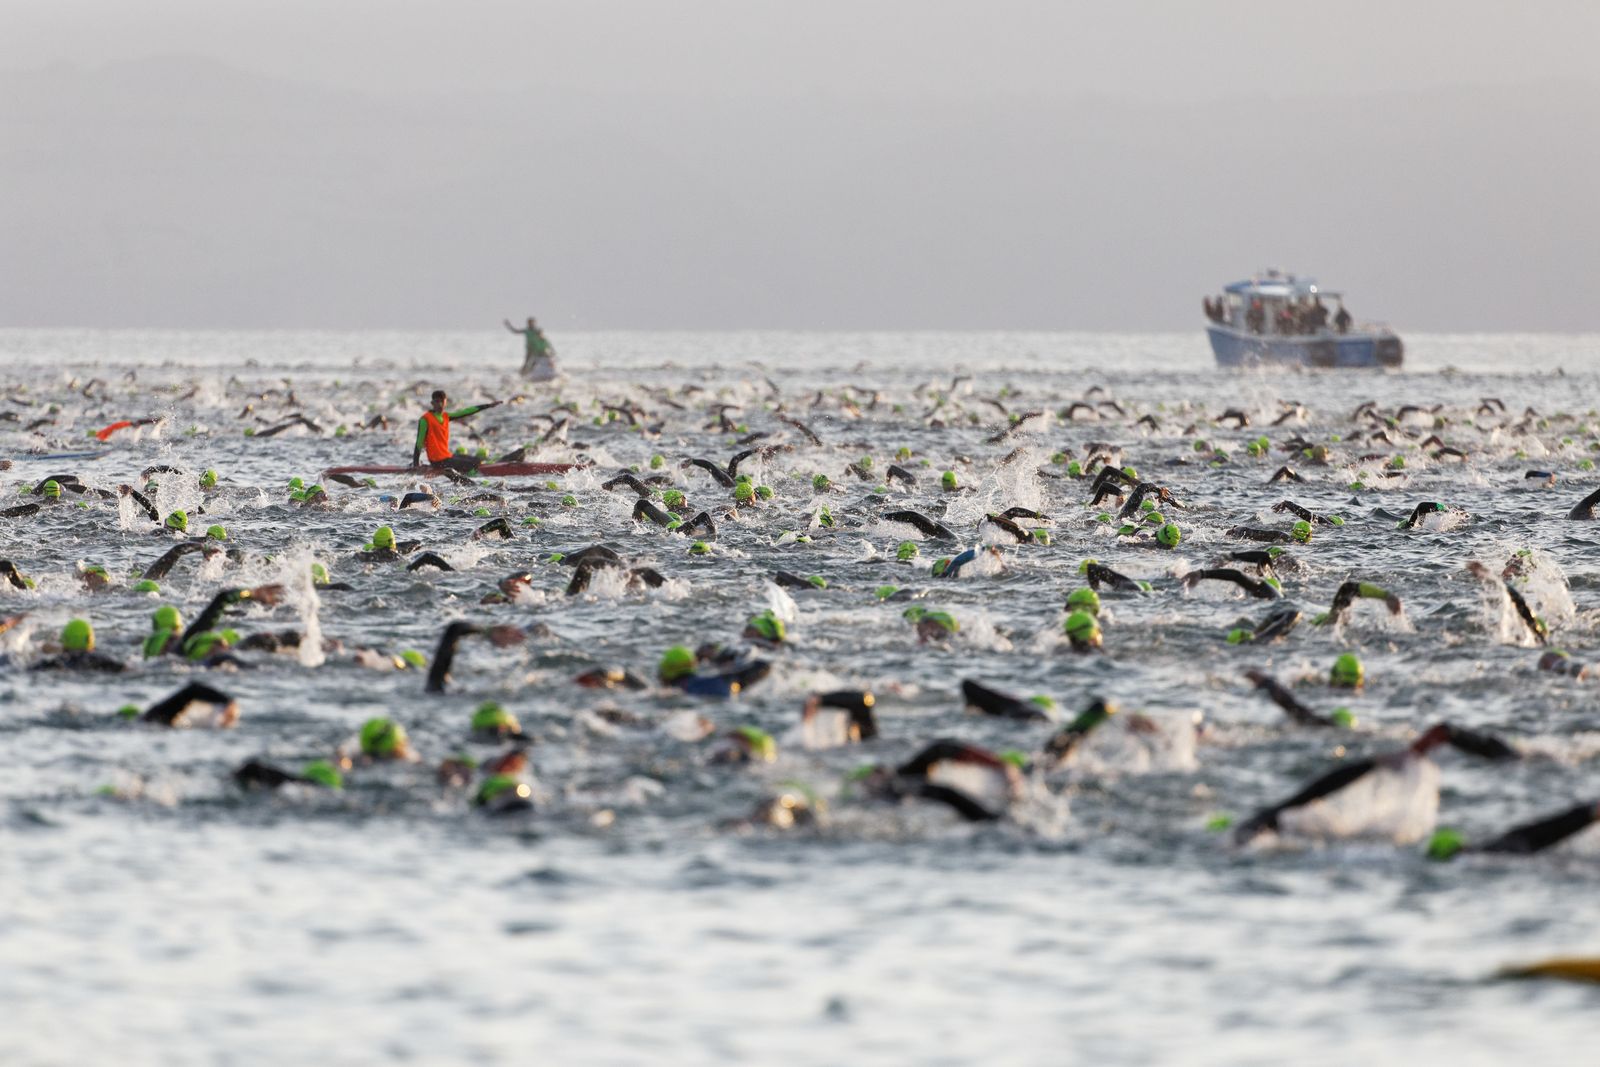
x=201, y=635
x=383, y=548
x=1348, y=593
x=1535, y=624
x=1523, y=840
x=433, y=432
x=1584, y=509
x=1017, y=533
x=1064, y=742
x=981, y=698
x=1407, y=780
x=1307, y=514
x=196, y=704
x=934, y=531
x=1277, y=624
x=1261, y=590
x=841, y=717
x=14, y=576
x=1420, y=512
x=255, y=774
x=1300, y=532
x=974, y=782
x=1286, y=700
x=680, y=669
x=77, y=652
x=1099, y=574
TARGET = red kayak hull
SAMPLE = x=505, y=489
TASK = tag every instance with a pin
x=491, y=470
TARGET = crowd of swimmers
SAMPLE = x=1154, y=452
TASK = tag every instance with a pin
x=1101, y=499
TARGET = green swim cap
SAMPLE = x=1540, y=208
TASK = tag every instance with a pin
x=948, y=479
x=383, y=739
x=943, y=619
x=1397, y=463
x=483, y=513
x=657, y=461
x=673, y=498
x=77, y=636
x=768, y=626
x=296, y=483
x=1169, y=535
x=498, y=785
x=178, y=520
x=906, y=550
x=1084, y=600
x=413, y=658
x=96, y=569
x=151, y=487
x=491, y=718
x=1153, y=517
x=825, y=517
x=129, y=711
x=764, y=492
x=699, y=548
x=1445, y=843
x=1201, y=446
x=940, y=566
x=1347, y=672
x=147, y=585
x=1074, y=468
x=884, y=592
x=818, y=580
x=319, y=574
x=208, y=479
x=166, y=617
x=217, y=532
x=1042, y=536
x=744, y=492
x=321, y=772
x=1130, y=472
x=568, y=501
x=1343, y=717
x=156, y=643
x=820, y=483
x=1240, y=636
x=52, y=488
x=1081, y=628
x=382, y=537
x=676, y=662
x=1301, y=531
x=758, y=743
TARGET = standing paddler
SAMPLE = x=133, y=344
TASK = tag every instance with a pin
x=539, y=364
x=433, y=431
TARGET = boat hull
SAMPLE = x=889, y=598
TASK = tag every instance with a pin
x=1235, y=348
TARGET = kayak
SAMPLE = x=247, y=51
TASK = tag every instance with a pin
x=67, y=455
x=492, y=470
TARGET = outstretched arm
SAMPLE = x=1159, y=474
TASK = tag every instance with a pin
x=466, y=412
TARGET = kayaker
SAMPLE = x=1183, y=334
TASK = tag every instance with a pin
x=433, y=429
x=539, y=362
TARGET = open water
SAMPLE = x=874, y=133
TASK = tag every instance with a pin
x=153, y=913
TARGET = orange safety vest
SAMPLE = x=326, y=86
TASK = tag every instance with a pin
x=437, y=439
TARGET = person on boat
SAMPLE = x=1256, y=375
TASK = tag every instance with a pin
x=1255, y=319
x=433, y=430
x=1317, y=315
x=539, y=362
x=1342, y=319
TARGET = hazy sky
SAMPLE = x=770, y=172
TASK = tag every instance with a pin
x=745, y=163
x=1056, y=49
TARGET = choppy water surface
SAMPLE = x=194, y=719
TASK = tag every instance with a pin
x=637, y=915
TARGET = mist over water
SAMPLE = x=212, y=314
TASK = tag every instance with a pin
x=634, y=915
